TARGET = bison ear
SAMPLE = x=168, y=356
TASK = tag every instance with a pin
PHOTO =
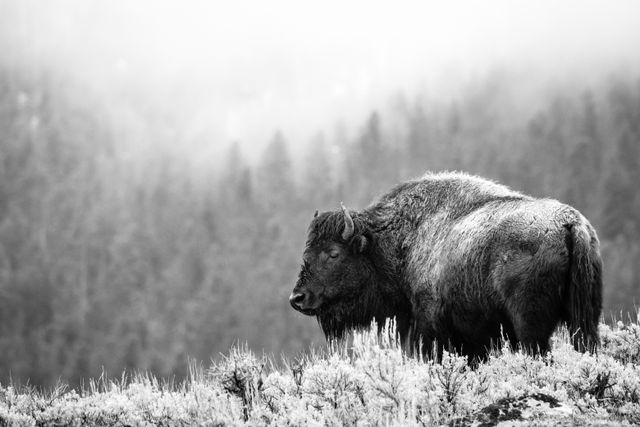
x=359, y=243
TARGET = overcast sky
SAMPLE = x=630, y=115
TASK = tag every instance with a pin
x=244, y=68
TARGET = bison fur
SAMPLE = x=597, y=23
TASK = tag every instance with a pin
x=458, y=261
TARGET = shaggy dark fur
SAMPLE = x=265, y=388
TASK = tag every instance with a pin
x=459, y=261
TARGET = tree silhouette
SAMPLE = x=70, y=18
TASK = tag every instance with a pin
x=275, y=175
x=319, y=176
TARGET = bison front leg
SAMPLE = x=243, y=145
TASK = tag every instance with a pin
x=423, y=340
x=423, y=329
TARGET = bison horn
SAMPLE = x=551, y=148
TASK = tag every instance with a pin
x=315, y=215
x=348, y=224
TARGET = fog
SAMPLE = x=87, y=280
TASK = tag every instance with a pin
x=160, y=161
x=225, y=71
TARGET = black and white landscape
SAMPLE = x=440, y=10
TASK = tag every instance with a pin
x=161, y=161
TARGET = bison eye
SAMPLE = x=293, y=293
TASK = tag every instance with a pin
x=334, y=254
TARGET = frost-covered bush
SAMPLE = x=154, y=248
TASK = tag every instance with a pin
x=366, y=380
x=241, y=375
x=622, y=341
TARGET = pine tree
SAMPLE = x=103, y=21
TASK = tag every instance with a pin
x=366, y=171
x=586, y=157
x=319, y=178
x=236, y=181
x=275, y=175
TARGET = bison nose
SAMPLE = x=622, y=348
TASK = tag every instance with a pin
x=296, y=299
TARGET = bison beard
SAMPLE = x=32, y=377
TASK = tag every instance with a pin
x=458, y=261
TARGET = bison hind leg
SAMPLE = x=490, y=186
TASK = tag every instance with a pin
x=531, y=285
x=535, y=316
x=496, y=334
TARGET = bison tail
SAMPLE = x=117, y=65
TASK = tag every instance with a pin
x=583, y=297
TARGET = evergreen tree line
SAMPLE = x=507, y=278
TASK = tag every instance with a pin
x=110, y=262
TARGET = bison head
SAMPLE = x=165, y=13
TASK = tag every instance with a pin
x=335, y=269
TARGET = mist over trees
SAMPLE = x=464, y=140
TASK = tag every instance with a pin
x=110, y=260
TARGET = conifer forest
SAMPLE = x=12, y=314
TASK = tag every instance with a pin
x=122, y=250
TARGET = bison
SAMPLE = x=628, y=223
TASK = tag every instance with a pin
x=460, y=262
